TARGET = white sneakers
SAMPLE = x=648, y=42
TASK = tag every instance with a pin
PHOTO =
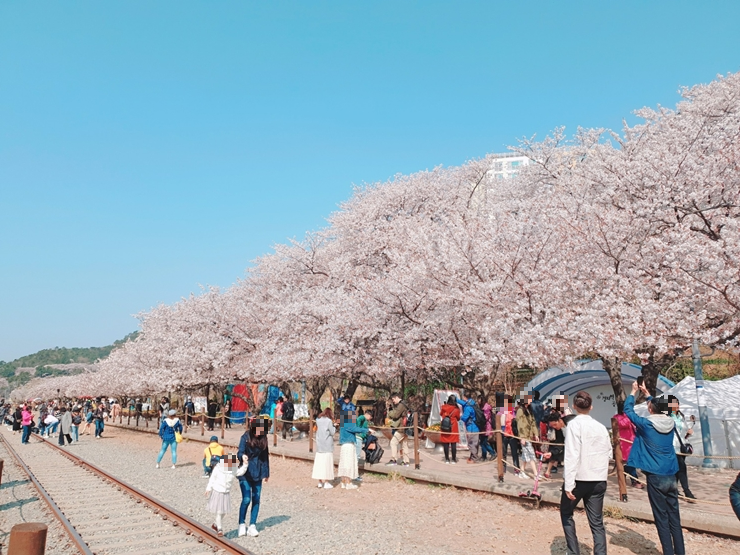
x=351, y=486
x=252, y=531
x=173, y=466
x=242, y=530
x=327, y=485
x=321, y=485
x=157, y=465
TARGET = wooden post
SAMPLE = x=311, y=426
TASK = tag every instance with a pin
x=2, y=462
x=186, y=421
x=202, y=424
x=416, y=441
x=223, y=425
x=499, y=449
x=617, y=445
x=310, y=435
x=274, y=433
x=28, y=538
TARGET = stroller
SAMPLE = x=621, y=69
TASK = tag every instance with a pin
x=372, y=449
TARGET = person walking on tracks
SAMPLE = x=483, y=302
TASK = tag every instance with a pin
x=99, y=421
x=168, y=430
x=653, y=453
x=253, y=447
x=26, y=419
x=588, y=451
x=65, y=426
x=218, y=491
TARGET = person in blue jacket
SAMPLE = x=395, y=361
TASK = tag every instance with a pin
x=471, y=428
x=348, y=432
x=653, y=453
x=253, y=446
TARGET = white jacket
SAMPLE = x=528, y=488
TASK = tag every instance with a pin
x=221, y=479
x=588, y=451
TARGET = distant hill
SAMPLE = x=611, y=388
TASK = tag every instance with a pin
x=59, y=361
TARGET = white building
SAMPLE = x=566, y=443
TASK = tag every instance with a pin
x=507, y=165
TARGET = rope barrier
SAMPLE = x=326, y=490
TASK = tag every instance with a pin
x=689, y=499
x=693, y=454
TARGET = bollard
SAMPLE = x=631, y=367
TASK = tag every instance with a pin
x=202, y=424
x=499, y=450
x=274, y=433
x=186, y=420
x=223, y=425
x=416, y=441
x=28, y=538
x=617, y=446
x=310, y=435
x=2, y=462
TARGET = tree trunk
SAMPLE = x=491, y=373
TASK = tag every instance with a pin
x=613, y=368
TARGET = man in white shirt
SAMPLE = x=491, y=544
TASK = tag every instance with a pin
x=586, y=465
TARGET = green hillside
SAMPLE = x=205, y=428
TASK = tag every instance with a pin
x=57, y=355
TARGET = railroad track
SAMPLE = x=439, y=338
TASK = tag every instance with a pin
x=106, y=516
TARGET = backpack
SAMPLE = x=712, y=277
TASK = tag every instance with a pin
x=288, y=411
x=408, y=424
x=480, y=418
x=446, y=425
x=214, y=461
x=373, y=450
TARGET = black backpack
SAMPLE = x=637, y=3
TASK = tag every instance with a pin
x=408, y=424
x=373, y=450
x=288, y=411
x=480, y=418
x=446, y=424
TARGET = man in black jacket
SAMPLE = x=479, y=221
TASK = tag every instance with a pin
x=288, y=415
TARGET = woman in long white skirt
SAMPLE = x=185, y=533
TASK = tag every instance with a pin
x=348, y=455
x=323, y=463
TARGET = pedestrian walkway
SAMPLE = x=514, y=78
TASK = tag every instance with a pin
x=715, y=516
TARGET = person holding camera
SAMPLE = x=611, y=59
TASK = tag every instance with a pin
x=397, y=410
x=653, y=453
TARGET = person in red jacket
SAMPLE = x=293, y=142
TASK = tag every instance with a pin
x=450, y=439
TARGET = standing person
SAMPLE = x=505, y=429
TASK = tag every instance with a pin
x=65, y=426
x=323, y=462
x=253, y=446
x=189, y=408
x=218, y=491
x=227, y=415
x=89, y=417
x=555, y=435
x=363, y=421
x=139, y=410
x=397, y=410
x=99, y=421
x=529, y=432
x=164, y=408
x=42, y=417
x=76, y=421
x=211, y=454
x=626, y=439
x=450, y=439
x=467, y=405
x=17, y=419
x=26, y=418
x=507, y=416
x=538, y=408
x=681, y=433
x=348, y=431
x=167, y=429
x=653, y=453
x=588, y=451
x=212, y=410
x=485, y=439
x=288, y=413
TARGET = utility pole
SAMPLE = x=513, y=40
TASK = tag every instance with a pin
x=706, y=438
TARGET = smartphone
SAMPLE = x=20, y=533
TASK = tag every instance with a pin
x=640, y=380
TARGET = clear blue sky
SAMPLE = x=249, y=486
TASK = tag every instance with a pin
x=149, y=147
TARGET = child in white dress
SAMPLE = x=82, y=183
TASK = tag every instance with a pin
x=218, y=488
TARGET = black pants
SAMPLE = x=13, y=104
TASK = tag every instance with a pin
x=514, y=444
x=592, y=494
x=288, y=428
x=62, y=436
x=681, y=475
x=446, y=447
x=663, y=496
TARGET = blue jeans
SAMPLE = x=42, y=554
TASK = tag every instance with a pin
x=173, y=449
x=663, y=496
x=53, y=428
x=42, y=428
x=26, y=434
x=358, y=443
x=76, y=433
x=735, y=496
x=486, y=448
x=250, y=494
x=99, y=426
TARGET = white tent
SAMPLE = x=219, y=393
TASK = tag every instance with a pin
x=722, y=400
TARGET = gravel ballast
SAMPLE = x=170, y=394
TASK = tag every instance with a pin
x=384, y=516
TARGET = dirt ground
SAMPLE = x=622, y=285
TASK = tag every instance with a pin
x=386, y=515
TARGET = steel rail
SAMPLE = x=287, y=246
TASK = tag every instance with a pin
x=71, y=531
x=190, y=525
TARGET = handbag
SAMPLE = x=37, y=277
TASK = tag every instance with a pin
x=685, y=448
x=178, y=437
